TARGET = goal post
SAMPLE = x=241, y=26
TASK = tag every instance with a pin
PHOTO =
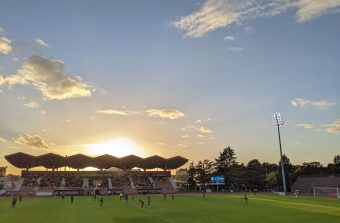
x=327, y=191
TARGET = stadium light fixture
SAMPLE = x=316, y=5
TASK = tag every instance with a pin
x=277, y=121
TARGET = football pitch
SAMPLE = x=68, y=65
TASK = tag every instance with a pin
x=185, y=208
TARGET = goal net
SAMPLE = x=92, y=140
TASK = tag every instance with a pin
x=327, y=191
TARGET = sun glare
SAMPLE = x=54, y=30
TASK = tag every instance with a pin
x=118, y=147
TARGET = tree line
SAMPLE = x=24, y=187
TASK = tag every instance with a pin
x=254, y=174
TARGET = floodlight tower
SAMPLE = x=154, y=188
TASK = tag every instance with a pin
x=277, y=121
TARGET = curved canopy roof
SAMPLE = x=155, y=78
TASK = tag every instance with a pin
x=80, y=161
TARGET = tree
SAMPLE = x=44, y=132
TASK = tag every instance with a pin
x=225, y=163
x=191, y=174
x=225, y=160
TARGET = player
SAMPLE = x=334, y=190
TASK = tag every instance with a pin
x=164, y=196
x=101, y=201
x=149, y=201
x=120, y=196
x=14, y=202
x=141, y=204
x=173, y=197
x=203, y=193
x=245, y=198
x=20, y=198
x=72, y=198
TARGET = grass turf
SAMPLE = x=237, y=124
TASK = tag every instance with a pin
x=185, y=208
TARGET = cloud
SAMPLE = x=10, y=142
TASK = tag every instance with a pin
x=49, y=77
x=2, y=140
x=330, y=128
x=230, y=38
x=30, y=140
x=161, y=144
x=311, y=9
x=236, y=49
x=333, y=127
x=249, y=30
x=204, y=130
x=185, y=136
x=165, y=113
x=306, y=126
x=303, y=103
x=198, y=121
x=5, y=45
x=217, y=14
x=32, y=104
x=41, y=42
x=116, y=112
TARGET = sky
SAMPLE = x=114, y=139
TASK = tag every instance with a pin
x=170, y=78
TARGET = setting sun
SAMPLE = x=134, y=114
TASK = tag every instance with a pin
x=118, y=147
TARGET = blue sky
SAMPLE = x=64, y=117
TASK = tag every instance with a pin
x=170, y=78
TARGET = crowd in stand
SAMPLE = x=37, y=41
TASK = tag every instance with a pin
x=76, y=180
x=142, y=181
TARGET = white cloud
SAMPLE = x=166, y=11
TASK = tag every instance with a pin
x=182, y=145
x=198, y=121
x=249, y=30
x=303, y=103
x=15, y=59
x=333, y=127
x=311, y=9
x=236, y=49
x=30, y=140
x=2, y=140
x=200, y=136
x=306, y=126
x=185, y=136
x=165, y=113
x=43, y=112
x=49, y=77
x=230, y=38
x=217, y=14
x=154, y=112
x=5, y=45
x=41, y=42
x=21, y=98
x=116, y=112
x=161, y=144
x=32, y=104
x=204, y=130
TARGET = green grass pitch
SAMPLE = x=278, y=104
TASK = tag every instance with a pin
x=186, y=208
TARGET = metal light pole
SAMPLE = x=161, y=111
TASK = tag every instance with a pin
x=277, y=121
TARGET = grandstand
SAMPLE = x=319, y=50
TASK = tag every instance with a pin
x=56, y=181
x=306, y=184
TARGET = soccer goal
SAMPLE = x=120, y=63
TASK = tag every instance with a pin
x=327, y=191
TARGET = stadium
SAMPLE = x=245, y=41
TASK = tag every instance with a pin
x=158, y=111
x=56, y=181
x=128, y=185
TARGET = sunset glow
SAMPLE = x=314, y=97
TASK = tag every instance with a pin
x=118, y=147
